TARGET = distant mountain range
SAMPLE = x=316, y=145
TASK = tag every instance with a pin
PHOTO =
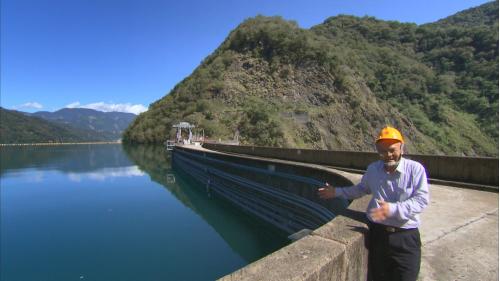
x=109, y=124
x=65, y=125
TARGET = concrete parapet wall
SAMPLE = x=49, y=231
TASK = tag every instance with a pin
x=480, y=170
x=476, y=170
x=335, y=251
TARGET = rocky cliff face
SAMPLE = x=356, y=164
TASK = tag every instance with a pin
x=335, y=85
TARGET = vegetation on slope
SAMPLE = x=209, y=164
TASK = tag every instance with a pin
x=16, y=127
x=333, y=86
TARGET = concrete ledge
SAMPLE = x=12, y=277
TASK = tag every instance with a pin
x=350, y=229
x=436, y=181
x=335, y=251
x=475, y=170
x=311, y=258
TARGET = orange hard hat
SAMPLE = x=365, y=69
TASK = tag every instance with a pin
x=390, y=133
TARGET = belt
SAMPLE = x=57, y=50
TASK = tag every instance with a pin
x=388, y=228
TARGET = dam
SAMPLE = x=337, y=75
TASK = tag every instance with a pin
x=277, y=194
x=337, y=250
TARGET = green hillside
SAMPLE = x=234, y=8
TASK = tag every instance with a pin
x=335, y=85
x=16, y=127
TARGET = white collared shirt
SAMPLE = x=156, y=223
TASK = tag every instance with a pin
x=405, y=190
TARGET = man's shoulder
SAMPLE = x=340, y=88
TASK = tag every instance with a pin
x=374, y=165
x=413, y=165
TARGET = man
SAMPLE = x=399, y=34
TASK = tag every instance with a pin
x=399, y=194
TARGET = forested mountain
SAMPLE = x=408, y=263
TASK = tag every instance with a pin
x=17, y=127
x=110, y=125
x=333, y=86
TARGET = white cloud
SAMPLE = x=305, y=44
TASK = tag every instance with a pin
x=108, y=107
x=107, y=173
x=74, y=177
x=35, y=177
x=29, y=105
x=73, y=105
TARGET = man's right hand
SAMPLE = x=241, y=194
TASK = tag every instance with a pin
x=326, y=192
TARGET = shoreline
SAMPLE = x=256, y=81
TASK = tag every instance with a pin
x=59, y=143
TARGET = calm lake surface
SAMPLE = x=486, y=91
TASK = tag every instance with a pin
x=108, y=212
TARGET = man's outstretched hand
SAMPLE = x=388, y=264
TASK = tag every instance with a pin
x=326, y=192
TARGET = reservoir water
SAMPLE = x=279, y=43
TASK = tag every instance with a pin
x=113, y=212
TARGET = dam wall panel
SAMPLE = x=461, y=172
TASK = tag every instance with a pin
x=335, y=250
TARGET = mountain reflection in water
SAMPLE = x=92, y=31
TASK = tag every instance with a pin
x=220, y=214
x=113, y=212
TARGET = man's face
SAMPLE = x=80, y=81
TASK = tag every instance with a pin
x=389, y=152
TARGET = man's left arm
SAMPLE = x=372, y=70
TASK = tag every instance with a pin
x=418, y=200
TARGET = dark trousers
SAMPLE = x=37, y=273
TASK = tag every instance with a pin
x=394, y=256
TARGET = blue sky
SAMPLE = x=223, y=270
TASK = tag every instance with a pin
x=122, y=55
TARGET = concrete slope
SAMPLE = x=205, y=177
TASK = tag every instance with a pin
x=460, y=235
